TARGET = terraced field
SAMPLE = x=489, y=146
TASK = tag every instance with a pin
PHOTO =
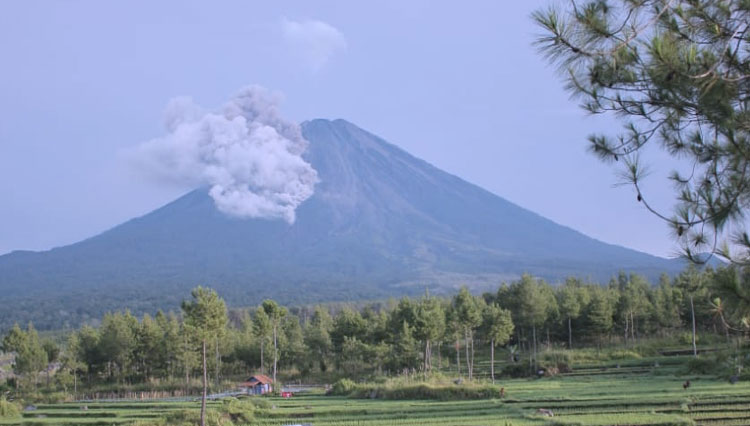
x=634, y=392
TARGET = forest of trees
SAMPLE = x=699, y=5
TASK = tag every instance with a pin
x=389, y=337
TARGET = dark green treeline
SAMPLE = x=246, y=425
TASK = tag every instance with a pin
x=390, y=337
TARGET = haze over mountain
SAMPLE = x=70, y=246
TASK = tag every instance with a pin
x=381, y=222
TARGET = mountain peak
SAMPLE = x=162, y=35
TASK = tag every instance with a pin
x=381, y=222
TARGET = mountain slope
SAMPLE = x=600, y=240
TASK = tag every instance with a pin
x=381, y=222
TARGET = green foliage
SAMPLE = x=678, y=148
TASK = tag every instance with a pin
x=9, y=409
x=397, y=390
x=702, y=365
x=239, y=411
x=206, y=319
x=686, y=338
x=343, y=387
x=46, y=397
x=31, y=357
x=347, y=324
x=414, y=338
x=117, y=340
x=517, y=370
x=600, y=312
x=534, y=303
x=404, y=352
x=497, y=324
x=192, y=417
x=206, y=314
x=675, y=73
x=317, y=338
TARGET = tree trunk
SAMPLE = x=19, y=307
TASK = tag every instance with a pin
x=626, y=331
x=218, y=363
x=75, y=385
x=492, y=360
x=426, y=355
x=205, y=387
x=692, y=313
x=726, y=331
x=536, y=364
x=275, y=355
x=187, y=368
x=570, y=335
x=429, y=360
x=262, y=343
x=471, y=340
x=458, y=357
x=440, y=356
x=632, y=329
x=466, y=348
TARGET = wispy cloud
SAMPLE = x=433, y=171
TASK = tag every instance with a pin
x=315, y=41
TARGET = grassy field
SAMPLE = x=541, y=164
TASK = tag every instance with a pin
x=629, y=392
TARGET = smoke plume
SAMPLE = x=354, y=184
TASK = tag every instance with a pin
x=247, y=154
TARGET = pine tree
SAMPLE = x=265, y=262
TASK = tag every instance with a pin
x=497, y=327
x=205, y=317
x=262, y=330
x=275, y=315
x=429, y=326
x=318, y=337
x=469, y=317
x=676, y=73
x=30, y=357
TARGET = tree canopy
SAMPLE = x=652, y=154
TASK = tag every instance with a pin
x=677, y=73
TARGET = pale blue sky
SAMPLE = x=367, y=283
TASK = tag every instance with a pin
x=455, y=83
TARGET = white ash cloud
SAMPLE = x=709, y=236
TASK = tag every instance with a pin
x=316, y=41
x=247, y=154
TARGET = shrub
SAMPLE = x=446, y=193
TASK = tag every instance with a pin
x=9, y=409
x=440, y=392
x=702, y=365
x=517, y=370
x=555, y=358
x=239, y=410
x=259, y=403
x=555, y=362
x=158, y=422
x=47, y=397
x=188, y=418
x=624, y=354
x=343, y=387
x=686, y=338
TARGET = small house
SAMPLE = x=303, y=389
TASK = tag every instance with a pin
x=257, y=385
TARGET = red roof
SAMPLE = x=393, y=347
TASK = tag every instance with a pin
x=258, y=379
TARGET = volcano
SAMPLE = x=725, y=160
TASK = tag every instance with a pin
x=381, y=223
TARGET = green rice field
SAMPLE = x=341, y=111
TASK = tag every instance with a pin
x=634, y=393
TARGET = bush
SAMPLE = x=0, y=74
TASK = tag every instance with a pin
x=555, y=362
x=703, y=365
x=239, y=410
x=46, y=397
x=187, y=418
x=555, y=358
x=464, y=392
x=517, y=370
x=686, y=338
x=436, y=391
x=259, y=403
x=9, y=409
x=625, y=354
x=192, y=417
x=343, y=387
